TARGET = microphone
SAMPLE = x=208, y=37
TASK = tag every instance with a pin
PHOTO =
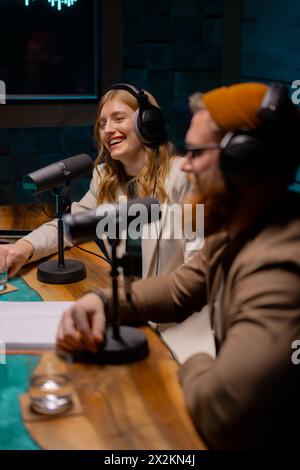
x=57, y=177
x=123, y=344
x=57, y=174
x=90, y=225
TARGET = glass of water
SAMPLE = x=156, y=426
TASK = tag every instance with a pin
x=50, y=394
x=50, y=387
x=3, y=271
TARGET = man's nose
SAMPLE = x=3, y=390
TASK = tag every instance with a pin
x=187, y=164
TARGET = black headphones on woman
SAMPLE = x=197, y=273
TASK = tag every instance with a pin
x=150, y=128
x=248, y=157
x=149, y=122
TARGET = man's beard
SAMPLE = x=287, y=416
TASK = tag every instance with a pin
x=218, y=201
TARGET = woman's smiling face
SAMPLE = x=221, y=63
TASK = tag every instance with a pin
x=117, y=131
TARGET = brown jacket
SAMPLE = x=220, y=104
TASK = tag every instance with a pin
x=249, y=395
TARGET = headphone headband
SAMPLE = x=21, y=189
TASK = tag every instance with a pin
x=125, y=86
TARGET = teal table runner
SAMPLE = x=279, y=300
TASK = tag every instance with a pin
x=23, y=294
x=14, y=377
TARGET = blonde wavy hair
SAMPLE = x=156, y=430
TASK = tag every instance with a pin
x=157, y=167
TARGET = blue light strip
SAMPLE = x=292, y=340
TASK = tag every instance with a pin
x=57, y=3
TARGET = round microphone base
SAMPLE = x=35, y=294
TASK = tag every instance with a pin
x=131, y=347
x=50, y=273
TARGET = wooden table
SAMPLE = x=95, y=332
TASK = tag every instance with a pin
x=126, y=407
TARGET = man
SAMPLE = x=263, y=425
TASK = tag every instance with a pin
x=248, y=272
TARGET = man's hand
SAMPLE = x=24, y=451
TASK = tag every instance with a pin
x=17, y=255
x=83, y=325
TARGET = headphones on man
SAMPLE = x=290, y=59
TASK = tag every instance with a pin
x=248, y=157
x=149, y=122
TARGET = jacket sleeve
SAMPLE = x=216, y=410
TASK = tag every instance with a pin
x=44, y=238
x=170, y=298
x=226, y=395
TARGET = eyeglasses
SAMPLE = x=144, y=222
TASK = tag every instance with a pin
x=198, y=151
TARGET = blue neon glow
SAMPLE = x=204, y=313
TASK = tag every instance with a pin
x=58, y=3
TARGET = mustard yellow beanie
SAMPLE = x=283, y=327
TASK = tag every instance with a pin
x=235, y=107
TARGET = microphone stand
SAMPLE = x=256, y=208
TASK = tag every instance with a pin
x=122, y=344
x=61, y=271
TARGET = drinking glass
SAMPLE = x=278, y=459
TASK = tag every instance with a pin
x=50, y=388
x=3, y=271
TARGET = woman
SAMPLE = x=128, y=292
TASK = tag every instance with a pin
x=138, y=161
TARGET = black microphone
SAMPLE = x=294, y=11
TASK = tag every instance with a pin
x=123, y=344
x=57, y=177
x=57, y=174
x=84, y=227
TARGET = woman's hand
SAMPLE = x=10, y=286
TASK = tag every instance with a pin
x=17, y=255
x=83, y=325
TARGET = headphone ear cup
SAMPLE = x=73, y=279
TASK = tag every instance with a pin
x=148, y=120
x=150, y=126
x=245, y=159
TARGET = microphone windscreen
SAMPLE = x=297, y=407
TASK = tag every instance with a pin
x=78, y=165
x=57, y=174
x=82, y=227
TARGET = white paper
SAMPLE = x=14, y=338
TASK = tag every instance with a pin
x=190, y=337
x=30, y=325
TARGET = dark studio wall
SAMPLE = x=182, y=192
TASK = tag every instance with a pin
x=176, y=47
x=172, y=48
x=270, y=41
x=25, y=150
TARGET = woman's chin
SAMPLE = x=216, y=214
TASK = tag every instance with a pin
x=119, y=156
